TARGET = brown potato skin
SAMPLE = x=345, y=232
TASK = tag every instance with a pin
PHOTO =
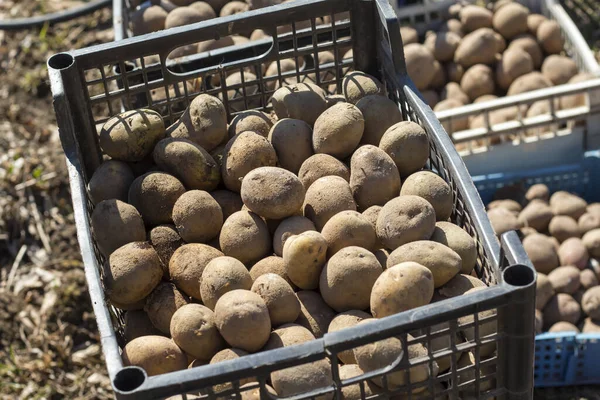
x=474, y=17
x=293, y=225
x=162, y=303
x=549, y=36
x=222, y=275
x=197, y=216
x=477, y=81
x=338, y=130
x=326, y=197
x=590, y=302
x=194, y=330
x=537, y=214
x=250, y=120
x=115, y=224
x=408, y=145
x=565, y=279
x=345, y=320
x=188, y=263
x=111, y=180
x=515, y=62
x=511, y=20
x=397, y=223
x=563, y=227
x=544, y=291
x=292, y=141
x=229, y=201
x=573, y=252
x=138, y=324
x=457, y=286
x=478, y=47
x=357, y=85
x=432, y=188
x=304, y=256
x=559, y=69
x=154, y=194
x=561, y=307
x=319, y=166
x=379, y=113
x=302, y=378
x=155, y=354
x=419, y=64
x=348, y=228
x=245, y=236
x=503, y=220
x=541, y=252
x=458, y=240
x=315, y=314
x=563, y=326
x=591, y=240
x=281, y=301
x=303, y=101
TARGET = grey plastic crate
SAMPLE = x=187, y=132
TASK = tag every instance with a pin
x=88, y=90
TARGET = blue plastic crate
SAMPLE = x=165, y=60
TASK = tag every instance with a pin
x=561, y=359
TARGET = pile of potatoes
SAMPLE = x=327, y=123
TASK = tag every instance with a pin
x=561, y=235
x=480, y=54
x=225, y=238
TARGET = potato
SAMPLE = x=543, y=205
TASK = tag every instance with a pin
x=457, y=124
x=565, y=279
x=222, y=275
x=541, y=252
x=250, y=120
x=591, y=240
x=354, y=392
x=188, y=263
x=408, y=145
x=165, y=240
x=204, y=8
x=588, y=279
x=576, y=100
x=374, y=179
x=544, y=291
x=593, y=208
x=197, y=216
x=443, y=262
x=528, y=82
x=533, y=22
x=252, y=391
x=559, y=69
x=319, y=166
x=537, y=214
x=539, y=322
x=526, y=230
x=149, y=19
x=467, y=366
x=439, y=76
x=478, y=81
x=458, y=240
x=510, y=205
x=451, y=25
x=230, y=202
x=590, y=326
x=303, y=101
x=243, y=153
x=315, y=314
x=278, y=295
x=292, y=141
x=304, y=256
x=155, y=354
x=288, y=335
x=503, y=220
x=138, y=324
x=326, y=197
x=430, y=97
x=587, y=222
x=272, y=192
x=405, y=219
x=590, y=302
x=454, y=71
x=162, y=303
x=573, y=252
x=511, y=20
x=442, y=45
x=275, y=69
x=131, y=136
x=561, y=307
x=474, y=17
x=419, y=61
x=432, y=188
x=371, y=214
x=233, y=7
x=453, y=90
x=203, y=122
x=226, y=355
x=338, y=130
x=401, y=287
x=347, y=278
x=181, y=16
x=348, y=228
x=357, y=85
x=271, y=264
x=549, y=36
x=115, y=224
x=562, y=326
x=563, y=227
x=294, y=225
x=478, y=47
x=486, y=328
x=345, y=320
x=212, y=44
x=530, y=45
x=242, y=318
x=154, y=194
x=409, y=35
x=565, y=203
x=111, y=180
x=515, y=62
x=379, y=114
x=303, y=378
x=457, y=286
x=194, y=330
x=245, y=236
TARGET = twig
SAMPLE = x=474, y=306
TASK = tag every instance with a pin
x=33, y=181
x=15, y=266
x=38, y=224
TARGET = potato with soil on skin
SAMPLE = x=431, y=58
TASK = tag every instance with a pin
x=565, y=203
x=503, y=220
x=131, y=136
x=590, y=302
x=533, y=22
x=544, y=291
x=348, y=228
x=194, y=330
x=590, y=326
x=357, y=85
x=510, y=205
x=149, y=19
x=131, y=273
x=539, y=322
x=563, y=227
x=288, y=335
x=303, y=101
x=405, y=219
x=473, y=17
x=319, y=166
x=354, y=392
x=573, y=252
x=136, y=324
x=204, y=122
x=292, y=141
x=162, y=303
x=252, y=391
x=529, y=44
x=184, y=16
x=563, y=326
x=559, y=69
x=456, y=124
x=432, y=188
x=457, y=286
x=408, y=145
x=315, y=314
x=197, y=216
x=204, y=8
x=401, y=287
x=250, y=120
x=234, y=7
x=304, y=256
x=326, y=197
x=588, y=279
x=511, y=20
x=430, y=97
x=379, y=114
x=454, y=71
x=303, y=378
x=226, y=355
x=477, y=81
x=453, y=90
x=155, y=354
x=374, y=178
x=345, y=320
x=294, y=225
x=154, y=195
x=515, y=62
x=419, y=61
x=460, y=241
x=478, y=47
x=409, y=35
x=537, y=214
x=243, y=320
x=348, y=277
x=222, y=275
x=550, y=38
x=591, y=240
x=588, y=222
x=371, y=214
x=243, y=153
x=240, y=99
x=565, y=279
x=230, y=202
x=439, y=76
x=213, y=44
x=271, y=264
x=245, y=236
x=467, y=367
x=528, y=82
x=576, y=100
x=442, y=45
x=561, y=307
x=165, y=239
x=485, y=328
x=111, y=180
x=443, y=262
x=338, y=130
x=541, y=252
x=278, y=295
x=115, y=224
x=188, y=263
